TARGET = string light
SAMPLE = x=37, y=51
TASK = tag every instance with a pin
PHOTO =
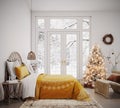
x=95, y=68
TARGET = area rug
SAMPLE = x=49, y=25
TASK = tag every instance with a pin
x=60, y=103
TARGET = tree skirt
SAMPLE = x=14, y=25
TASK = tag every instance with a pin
x=60, y=103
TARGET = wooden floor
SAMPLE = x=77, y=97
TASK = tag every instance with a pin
x=112, y=102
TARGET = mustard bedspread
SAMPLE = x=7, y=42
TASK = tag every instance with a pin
x=59, y=87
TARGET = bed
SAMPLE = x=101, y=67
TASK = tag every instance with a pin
x=44, y=86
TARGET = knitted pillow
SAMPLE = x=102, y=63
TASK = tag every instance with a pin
x=114, y=78
x=21, y=72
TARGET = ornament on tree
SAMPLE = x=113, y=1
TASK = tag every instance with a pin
x=95, y=68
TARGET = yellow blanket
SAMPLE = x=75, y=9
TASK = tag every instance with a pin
x=59, y=87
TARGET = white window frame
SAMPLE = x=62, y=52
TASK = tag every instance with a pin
x=36, y=15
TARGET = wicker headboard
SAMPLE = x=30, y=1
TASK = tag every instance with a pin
x=13, y=57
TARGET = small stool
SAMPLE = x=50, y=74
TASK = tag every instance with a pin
x=1, y=92
x=12, y=89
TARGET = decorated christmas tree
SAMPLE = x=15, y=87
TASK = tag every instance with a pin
x=95, y=68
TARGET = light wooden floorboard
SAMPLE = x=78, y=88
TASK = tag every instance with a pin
x=112, y=102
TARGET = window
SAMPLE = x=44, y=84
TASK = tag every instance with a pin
x=58, y=44
x=63, y=23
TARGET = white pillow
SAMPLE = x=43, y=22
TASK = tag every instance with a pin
x=11, y=68
x=29, y=67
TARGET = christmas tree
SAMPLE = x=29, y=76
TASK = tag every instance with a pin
x=95, y=68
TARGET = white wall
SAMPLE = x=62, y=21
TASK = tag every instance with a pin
x=75, y=5
x=15, y=30
x=102, y=22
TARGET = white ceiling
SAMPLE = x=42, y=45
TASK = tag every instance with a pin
x=75, y=5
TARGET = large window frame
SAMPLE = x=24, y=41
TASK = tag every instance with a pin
x=79, y=29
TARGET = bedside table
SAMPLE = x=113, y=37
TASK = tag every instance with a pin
x=12, y=90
